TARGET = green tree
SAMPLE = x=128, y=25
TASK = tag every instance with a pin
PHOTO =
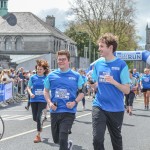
x=99, y=16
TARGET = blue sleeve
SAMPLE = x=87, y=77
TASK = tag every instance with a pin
x=124, y=76
x=80, y=82
x=85, y=79
x=94, y=75
x=46, y=83
x=30, y=83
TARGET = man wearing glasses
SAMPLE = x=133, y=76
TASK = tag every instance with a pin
x=64, y=85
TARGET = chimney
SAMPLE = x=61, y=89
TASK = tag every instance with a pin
x=3, y=7
x=50, y=20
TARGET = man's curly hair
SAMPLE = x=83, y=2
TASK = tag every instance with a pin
x=109, y=39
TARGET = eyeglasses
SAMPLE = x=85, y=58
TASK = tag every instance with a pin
x=61, y=59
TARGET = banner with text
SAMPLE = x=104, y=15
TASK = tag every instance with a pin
x=5, y=91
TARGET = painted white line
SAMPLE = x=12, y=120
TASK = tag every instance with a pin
x=12, y=117
x=25, y=117
x=17, y=135
x=5, y=116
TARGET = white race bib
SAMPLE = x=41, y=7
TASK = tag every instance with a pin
x=62, y=93
x=39, y=92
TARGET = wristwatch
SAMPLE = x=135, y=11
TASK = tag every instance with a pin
x=76, y=102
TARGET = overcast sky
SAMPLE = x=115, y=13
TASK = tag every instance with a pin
x=58, y=8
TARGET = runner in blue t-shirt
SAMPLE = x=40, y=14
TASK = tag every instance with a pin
x=64, y=85
x=145, y=86
x=83, y=86
x=35, y=89
x=112, y=77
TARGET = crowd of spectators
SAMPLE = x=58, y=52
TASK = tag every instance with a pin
x=19, y=79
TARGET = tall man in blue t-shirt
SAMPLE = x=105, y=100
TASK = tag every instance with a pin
x=64, y=85
x=112, y=77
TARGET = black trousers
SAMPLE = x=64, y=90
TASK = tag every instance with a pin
x=61, y=124
x=129, y=98
x=37, y=108
x=113, y=121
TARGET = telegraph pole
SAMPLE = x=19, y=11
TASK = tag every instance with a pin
x=89, y=49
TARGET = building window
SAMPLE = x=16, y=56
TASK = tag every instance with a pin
x=18, y=44
x=54, y=46
x=54, y=64
x=1, y=4
x=8, y=44
x=57, y=45
x=5, y=5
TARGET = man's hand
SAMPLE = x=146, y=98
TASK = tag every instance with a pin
x=110, y=79
x=52, y=106
x=70, y=105
x=32, y=95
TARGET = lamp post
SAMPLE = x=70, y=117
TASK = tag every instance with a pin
x=89, y=43
x=89, y=48
x=85, y=55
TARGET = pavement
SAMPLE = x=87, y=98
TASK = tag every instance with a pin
x=135, y=130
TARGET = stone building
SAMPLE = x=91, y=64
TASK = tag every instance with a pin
x=24, y=37
x=147, y=46
x=140, y=65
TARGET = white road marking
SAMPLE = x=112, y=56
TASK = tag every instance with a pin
x=30, y=131
x=16, y=117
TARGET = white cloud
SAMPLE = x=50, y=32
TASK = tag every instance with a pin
x=58, y=8
x=60, y=17
x=143, y=17
x=36, y=5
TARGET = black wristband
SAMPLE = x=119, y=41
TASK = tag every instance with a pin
x=76, y=102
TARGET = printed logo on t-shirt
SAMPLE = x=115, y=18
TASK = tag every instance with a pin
x=115, y=68
x=72, y=78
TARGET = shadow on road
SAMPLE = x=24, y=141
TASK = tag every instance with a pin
x=136, y=109
x=139, y=115
x=85, y=122
x=75, y=147
x=131, y=125
x=45, y=140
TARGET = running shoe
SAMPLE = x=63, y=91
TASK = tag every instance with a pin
x=70, y=145
x=37, y=139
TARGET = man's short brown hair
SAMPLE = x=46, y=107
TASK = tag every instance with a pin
x=64, y=52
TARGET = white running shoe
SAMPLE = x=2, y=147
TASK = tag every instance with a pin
x=70, y=145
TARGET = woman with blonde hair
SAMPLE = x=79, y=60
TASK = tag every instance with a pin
x=145, y=86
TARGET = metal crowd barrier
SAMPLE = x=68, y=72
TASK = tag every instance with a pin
x=12, y=92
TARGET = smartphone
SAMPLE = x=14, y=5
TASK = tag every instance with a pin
x=91, y=82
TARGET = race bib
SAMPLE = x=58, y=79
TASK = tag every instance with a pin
x=62, y=94
x=39, y=92
x=146, y=79
x=102, y=76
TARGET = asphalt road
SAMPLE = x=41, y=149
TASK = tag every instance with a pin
x=20, y=130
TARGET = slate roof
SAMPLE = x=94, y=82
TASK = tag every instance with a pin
x=27, y=23
x=22, y=58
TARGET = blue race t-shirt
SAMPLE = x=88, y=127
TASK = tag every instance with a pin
x=109, y=97
x=36, y=83
x=136, y=75
x=63, y=87
x=145, y=80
